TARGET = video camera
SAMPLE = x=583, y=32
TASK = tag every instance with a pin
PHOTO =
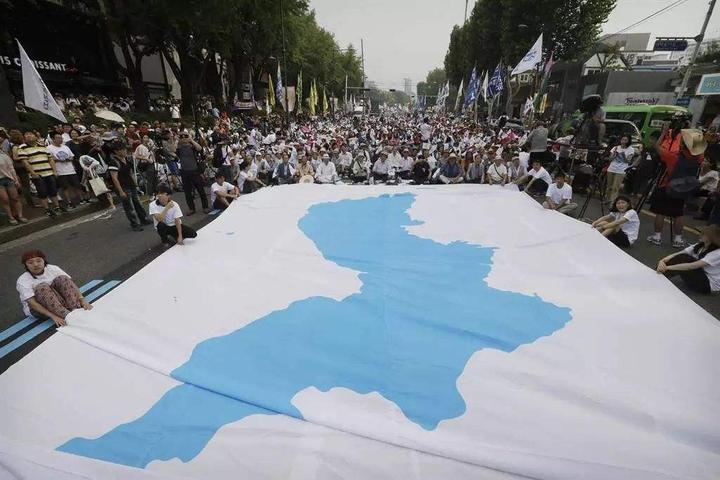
x=678, y=121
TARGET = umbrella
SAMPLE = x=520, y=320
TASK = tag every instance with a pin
x=109, y=116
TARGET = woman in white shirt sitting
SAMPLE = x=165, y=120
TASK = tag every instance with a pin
x=622, y=225
x=46, y=291
x=698, y=265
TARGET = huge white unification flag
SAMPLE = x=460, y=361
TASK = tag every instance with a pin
x=37, y=96
x=371, y=335
x=531, y=59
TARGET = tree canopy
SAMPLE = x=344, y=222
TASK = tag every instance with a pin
x=504, y=30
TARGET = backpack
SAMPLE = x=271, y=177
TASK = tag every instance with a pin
x=683, y=180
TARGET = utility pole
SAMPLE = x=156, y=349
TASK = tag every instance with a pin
x=698, y=42
x=285, y=93
x=362, y=57
x=466, y=5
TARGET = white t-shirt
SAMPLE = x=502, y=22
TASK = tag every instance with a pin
x=497, y=172
x=63, y=159
x=712, y=270
x=631, y=227
x=170, y=216
x=524, y=159
x=226, y=187
x=541, y=174
x=557, y=195
x=621, y=159
x=26, y=284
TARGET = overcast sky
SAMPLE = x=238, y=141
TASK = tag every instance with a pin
x=407, y=38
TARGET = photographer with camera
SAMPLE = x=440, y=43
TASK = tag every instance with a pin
x=678, y=182
x=621, y=158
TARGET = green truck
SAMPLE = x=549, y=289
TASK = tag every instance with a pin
x=647, y=118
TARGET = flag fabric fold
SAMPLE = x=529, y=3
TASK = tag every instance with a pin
x=35, y=92
x=531, y=59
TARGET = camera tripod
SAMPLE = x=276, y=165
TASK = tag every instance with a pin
x=598, y=184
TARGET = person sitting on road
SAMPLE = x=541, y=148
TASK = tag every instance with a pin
x=476, y=170
x=305, y=172
x=451, y=171
x=497, y=173
x=538, y=179
x=421, y=170
x=559, y=196
x=326, y=172
x=46, y=291
x=284, y=171
x=698, y=265
x=222, y=193
x=516, y=169
x=405, y=166
x=381, y=168
x=166, y=215
x=622, y=225
x=359, y=168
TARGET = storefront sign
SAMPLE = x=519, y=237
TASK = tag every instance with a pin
x=39, y=64
x=640, y=98
x=670, y=45
x=709, y=84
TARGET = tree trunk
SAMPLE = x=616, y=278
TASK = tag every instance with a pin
x=139, y=88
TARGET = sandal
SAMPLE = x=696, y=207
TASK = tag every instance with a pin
x=12, y=221
x=22, y=220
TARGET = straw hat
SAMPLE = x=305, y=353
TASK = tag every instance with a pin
x=694, y=140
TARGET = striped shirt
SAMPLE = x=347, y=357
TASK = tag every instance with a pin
x=38, y=157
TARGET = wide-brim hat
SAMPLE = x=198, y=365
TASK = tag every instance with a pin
x=694, y=140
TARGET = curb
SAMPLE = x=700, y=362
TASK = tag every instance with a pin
x=10, y=233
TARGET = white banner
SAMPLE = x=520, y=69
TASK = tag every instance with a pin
x=37, y=96
x=370, y=335
x=531, y=59
x=291, y=98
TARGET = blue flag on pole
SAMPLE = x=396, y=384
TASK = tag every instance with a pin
x=472, y=89
x=496, y=82
x=279, y=90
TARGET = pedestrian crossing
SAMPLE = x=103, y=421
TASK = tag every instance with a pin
x=19, y=334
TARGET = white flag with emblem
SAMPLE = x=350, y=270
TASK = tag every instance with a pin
x=531, y=59
x=37, y=95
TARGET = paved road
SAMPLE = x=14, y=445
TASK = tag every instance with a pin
x=102, y=246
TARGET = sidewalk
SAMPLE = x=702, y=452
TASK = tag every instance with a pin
x=38, y=220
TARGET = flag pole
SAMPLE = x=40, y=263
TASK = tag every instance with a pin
x=285, y=96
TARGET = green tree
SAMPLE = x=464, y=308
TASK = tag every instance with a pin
x=504, y=30
x=434, y=80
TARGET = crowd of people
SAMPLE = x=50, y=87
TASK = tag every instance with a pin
x=74, y=163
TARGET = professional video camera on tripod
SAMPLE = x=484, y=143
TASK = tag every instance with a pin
x=589, y=151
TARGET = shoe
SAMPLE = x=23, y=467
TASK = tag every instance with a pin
x=681, y=243
x=62, y=208
x=12, y=221
x=50, y=213
x=22, y=220
x=137, y=228
x=147, y=222
x=654, y=240
x=206, y=210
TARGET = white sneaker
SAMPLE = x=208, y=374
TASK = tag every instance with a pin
x=654, y=240
x=679, y=243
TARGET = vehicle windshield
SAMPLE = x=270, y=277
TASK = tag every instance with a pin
x=638, y=118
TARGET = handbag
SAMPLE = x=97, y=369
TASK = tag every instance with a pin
x=97, y=184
